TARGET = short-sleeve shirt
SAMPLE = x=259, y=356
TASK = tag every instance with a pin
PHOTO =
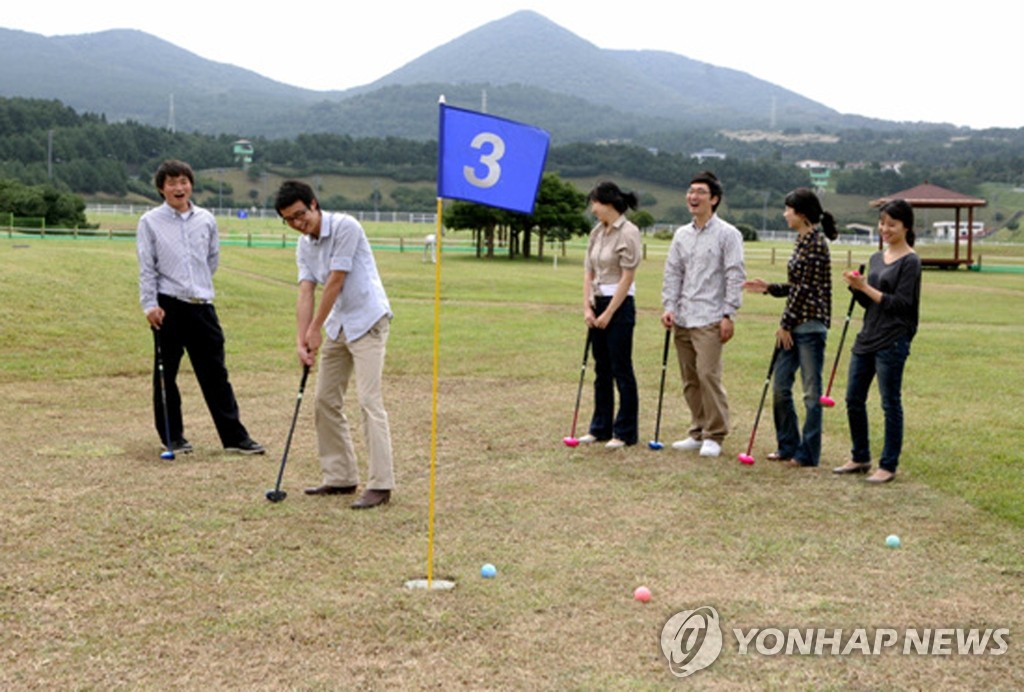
x=343, y=246
x=611, y=249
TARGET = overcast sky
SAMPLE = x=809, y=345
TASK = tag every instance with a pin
x=903, y=60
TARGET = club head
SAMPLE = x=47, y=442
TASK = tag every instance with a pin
x=746, y=459
x=571, y=441
x=167, y=454
x=276, y=495
x=827, y=401
x=654, y=444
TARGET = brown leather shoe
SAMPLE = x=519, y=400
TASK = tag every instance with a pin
x=331, y=490
x=372, y=498
x=853, y=467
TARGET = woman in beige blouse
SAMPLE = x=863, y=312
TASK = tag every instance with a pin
x=613, y=254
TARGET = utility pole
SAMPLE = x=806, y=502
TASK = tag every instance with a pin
x=170, y=115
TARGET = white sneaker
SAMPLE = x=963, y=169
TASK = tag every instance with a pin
x=587, y=439
x=687, y=445
x=710, y=448
x=615, y=443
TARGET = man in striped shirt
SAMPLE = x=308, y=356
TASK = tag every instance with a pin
x=178, y=250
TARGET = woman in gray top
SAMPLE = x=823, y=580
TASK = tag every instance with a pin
x=891, y=296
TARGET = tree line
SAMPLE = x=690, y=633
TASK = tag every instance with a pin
x=47, y=145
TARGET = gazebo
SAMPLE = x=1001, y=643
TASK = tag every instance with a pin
x=928, y=196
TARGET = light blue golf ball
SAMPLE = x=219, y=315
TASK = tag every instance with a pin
x=488, y=571
x=893, y=541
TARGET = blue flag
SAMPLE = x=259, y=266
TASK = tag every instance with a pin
x=490, y=160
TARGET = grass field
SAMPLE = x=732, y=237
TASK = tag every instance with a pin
x=124, y=571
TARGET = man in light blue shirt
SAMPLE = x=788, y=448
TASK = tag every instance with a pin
x=701, y=293
x=335, y=254
x=178, y=251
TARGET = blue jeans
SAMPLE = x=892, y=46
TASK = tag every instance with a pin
x=887, y=365
x=613, y=367
x=807, y=355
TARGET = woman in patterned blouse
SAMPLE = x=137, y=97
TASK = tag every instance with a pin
x=803, y=328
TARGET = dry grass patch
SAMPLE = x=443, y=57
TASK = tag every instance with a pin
x=121, y=570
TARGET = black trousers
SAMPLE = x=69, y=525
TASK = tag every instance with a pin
x=195, y=329
x=613, y=369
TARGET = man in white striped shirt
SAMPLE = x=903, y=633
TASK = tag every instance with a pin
x=701, y=294
x=178, y=250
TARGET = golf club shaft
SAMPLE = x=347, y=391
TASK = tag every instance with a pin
x=163, y=388
x=291, y=430
x=842, y=338
x=661, y=387
x=579, y=389
x=764, y=393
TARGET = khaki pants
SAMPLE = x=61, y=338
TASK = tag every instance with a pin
x=339, y=360
x=699, y=351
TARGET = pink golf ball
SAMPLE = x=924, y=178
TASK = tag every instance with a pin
x=642, y=594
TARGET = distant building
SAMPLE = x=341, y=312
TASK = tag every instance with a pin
x=809, y=164
x=243, y=151
x=705, y=154
x=946, y=230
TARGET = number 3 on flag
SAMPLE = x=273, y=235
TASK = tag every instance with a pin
x=490, y=160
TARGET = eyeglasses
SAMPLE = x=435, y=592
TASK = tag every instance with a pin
x=297, y=216
x=699, y=191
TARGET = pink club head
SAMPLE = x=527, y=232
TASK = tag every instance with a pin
x=827, y=401
x=746, y=459
x=571, y=441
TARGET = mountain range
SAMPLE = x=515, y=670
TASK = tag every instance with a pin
x=523, y=66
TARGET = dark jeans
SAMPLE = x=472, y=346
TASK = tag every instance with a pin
x=807, y=355
x=196, y=330
x=887, y=365
x=613, y=367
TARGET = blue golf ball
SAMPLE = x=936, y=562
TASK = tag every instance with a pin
x=488, y=571
x=893, y=541
x=167, y=455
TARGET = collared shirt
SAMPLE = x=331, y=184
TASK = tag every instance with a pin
x=808, y=290
x=178, y=254
x=343, y=246
x=610, y=249
x=704, y=273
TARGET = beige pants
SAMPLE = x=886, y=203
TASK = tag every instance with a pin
x=340, y=359
x=699, y=351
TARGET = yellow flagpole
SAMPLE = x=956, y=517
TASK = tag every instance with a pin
x=433, y=397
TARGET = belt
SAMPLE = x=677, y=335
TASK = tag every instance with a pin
x=191, y=300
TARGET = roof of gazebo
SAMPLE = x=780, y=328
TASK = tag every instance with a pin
x=928, y=195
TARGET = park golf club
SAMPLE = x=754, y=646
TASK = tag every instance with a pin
x=168, y=453
x=572, y=440
x=276, y=495
x=656, y=443
x=826, y=400
x=748, y=458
